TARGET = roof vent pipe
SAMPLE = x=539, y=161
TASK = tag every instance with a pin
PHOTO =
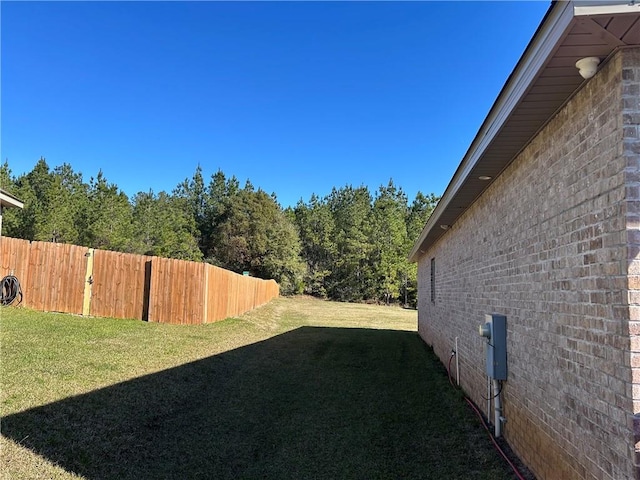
x=587, y=67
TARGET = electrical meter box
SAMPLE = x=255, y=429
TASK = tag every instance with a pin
x=495, y=331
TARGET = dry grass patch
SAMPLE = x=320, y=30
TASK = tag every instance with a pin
x=288, y=313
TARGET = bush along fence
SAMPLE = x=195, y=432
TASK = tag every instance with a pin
x=57, y=277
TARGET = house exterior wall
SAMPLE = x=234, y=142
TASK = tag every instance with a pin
x=553, y=244
x=631, y=153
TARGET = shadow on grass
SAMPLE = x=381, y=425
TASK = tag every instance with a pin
x=321, y=403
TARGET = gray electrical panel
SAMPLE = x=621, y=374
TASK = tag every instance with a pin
x=495, y=331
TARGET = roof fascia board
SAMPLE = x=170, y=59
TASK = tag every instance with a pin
x=8, y=200
x=605, y=7
x=525, y=72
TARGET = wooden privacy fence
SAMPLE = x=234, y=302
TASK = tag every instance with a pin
x=67, y=278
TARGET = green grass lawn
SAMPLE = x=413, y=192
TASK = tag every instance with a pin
x=297, y=389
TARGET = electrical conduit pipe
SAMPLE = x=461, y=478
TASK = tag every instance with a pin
x=497, y=410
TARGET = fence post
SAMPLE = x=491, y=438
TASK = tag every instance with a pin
x=88, y=282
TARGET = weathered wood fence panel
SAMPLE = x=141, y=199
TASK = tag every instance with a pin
x=230, y=294
x=72, y=279
x=14, y=258
x=55, y=281
x=218, y=293
x=177, y=291
x=120, y=285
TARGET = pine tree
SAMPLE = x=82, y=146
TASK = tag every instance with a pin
x=255, y=235
x=193, y=192
x=389, y=238
x=317, y=228
x=108, y=217
x=164, y=226
x=351, y=278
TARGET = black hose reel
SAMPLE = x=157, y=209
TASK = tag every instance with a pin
x=10, y=290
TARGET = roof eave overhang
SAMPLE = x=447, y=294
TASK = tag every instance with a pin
x=8, y=200
x=465, y=186
x=604, y=7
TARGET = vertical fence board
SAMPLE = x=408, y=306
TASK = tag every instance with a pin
x=217, y=293
x=35, y=280
x=119, y=285
x=55, y=281
x=73, y=277
x=230, y=294
x=31, y=286
x=213, y=294
x=177, y=291
x=14, y=259
x=155, y=301
x=63, y=297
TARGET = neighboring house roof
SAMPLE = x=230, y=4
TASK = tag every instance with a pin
x=8, y=200
x=541, y=83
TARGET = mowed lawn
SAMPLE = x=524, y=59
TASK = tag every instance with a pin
x=297, y=389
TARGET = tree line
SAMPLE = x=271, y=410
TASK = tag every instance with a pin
x=350, y=245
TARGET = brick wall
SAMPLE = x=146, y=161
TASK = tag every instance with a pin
x=631, y=153
x=546, y=245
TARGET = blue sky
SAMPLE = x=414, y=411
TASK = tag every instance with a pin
x=298, y=97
